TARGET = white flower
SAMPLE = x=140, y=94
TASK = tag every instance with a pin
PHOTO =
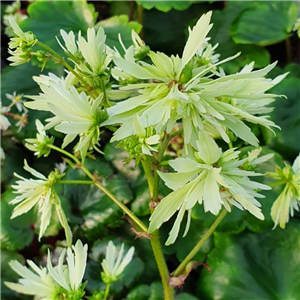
x=4, y=123
x=22, y=120
x=39, y=192
x=94, y=52
x=35, y=281
x=70, y=276
x=210, y=177
x=52, y=283
x=289, y=198
x=12, y=10
x=17, y=101
x=74, y=113
x=114, y=263
x=40, y=143
x=70, y=42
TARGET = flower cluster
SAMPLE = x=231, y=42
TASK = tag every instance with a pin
x=22, y=44
x=183, y=89
x=52, y=283
x=157, y=94
x=209, y=176
x=75, y=114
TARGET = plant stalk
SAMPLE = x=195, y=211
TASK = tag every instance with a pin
x=106, y=291
x=125, y=209
x=162, y=266
x=75, y=182
x=181, y=267
x=149, y=178
x=155, y=242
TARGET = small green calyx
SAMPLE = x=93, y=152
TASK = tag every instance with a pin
x=63, y=294
x=40, y=146
x=187, y=73
x=101, y=116
x=142, y=53
x=108, y=279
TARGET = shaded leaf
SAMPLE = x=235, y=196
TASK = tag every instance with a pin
x=165, y=6
x=15, y=233
x=286, y=115
x=255, y=266
x=119, y=25
x=46, y=18
x=271, y=22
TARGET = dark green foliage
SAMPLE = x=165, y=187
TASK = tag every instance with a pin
x=248, y=259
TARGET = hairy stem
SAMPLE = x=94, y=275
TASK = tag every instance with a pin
x=162, y=266
x=75, y=182
x=208, y=233
x=60, y=58
x=125, y=209
x=155, y=242
x=149, y=177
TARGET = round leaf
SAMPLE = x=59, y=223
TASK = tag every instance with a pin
x=254, y=266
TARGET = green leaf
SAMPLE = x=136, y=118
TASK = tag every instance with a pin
x=165, y=6
x=140, y=205
x=141, y=292
x=171, y=34
x=15, y=233
x=286, y=115
x=185, y=296
x=119, y=25
x=146, y=292
x=46, y=18
x=254, y=266
x=19, y=79
x=271, y=22
x=220, y=33
x=13, y=162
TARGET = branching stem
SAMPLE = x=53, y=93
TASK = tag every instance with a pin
x=195, y=250
x=125, y=209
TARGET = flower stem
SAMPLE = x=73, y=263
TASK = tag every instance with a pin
x=194, y=251
x=106, y=291
x=162, y=266
x=149, y=177
x=60, y=58
x=75, y=182
x=125, y=209
x=155, y=242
